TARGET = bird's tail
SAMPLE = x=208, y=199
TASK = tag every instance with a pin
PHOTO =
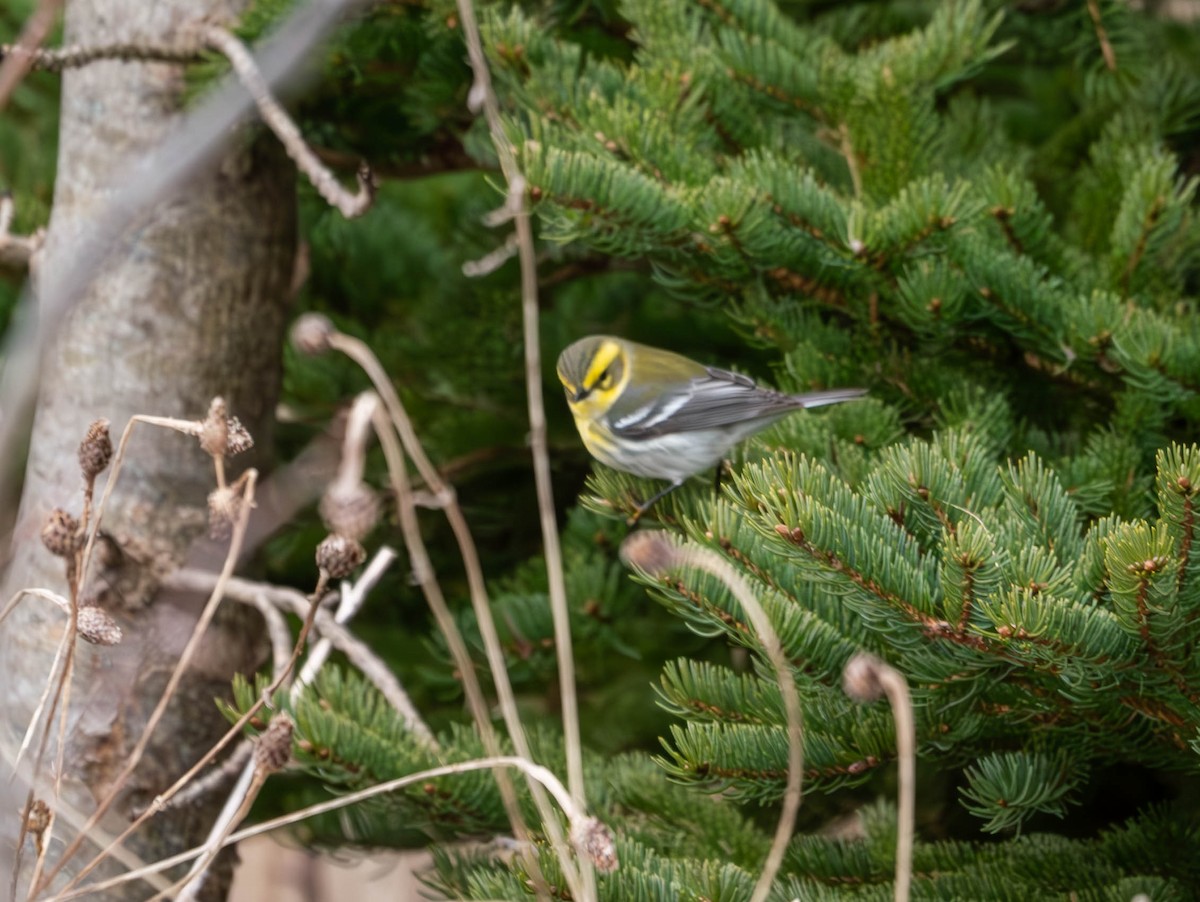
x=831, y=396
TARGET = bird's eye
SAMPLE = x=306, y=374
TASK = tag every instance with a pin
x=605, y=381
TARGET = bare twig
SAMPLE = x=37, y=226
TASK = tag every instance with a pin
x=656, y=554
x=591, y=838
x=865, y=679
x=316, y=334
x=327, y=185
x=57, y=59
x=272, y=751
x=226, y=771
x=277, y=629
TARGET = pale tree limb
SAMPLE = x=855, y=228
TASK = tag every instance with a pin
x=356, y=651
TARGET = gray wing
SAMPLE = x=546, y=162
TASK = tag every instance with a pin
x=717, y=398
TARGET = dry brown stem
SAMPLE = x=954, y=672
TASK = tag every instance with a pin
x=655, y=553
x=587, y=830
x=866, y=678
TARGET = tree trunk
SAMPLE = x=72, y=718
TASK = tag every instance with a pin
x=192, y=306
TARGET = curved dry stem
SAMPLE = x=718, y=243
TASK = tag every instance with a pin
x=517, y=207
x=425, y=578
x=655, y=553
x=327, y=185
x=865, y=678
x=544, y=777
x=361, y=354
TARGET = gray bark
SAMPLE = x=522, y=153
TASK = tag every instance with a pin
x=192, y=306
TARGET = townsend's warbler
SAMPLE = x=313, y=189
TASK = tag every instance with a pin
x=654, y=413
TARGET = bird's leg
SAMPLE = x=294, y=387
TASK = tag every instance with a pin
x=717, y=478
x=646, y=505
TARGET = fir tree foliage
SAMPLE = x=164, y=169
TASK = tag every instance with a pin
x=964, y=207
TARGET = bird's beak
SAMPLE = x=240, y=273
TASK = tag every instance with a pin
x=578, y=394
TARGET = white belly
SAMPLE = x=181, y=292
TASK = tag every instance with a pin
x=674, y=457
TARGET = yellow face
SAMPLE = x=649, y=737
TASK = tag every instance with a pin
x=593, y=372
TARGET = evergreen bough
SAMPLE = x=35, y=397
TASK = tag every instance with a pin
x=982, y=213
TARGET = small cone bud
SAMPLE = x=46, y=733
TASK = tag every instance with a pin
x=95, y=451
x=351, y=513
x=339, y=555
x=97, y=627
x=595, y=840
x=239, y=438
x=39, y=818
x=222, y=435
x=651, y=551
x=62, y=534
x=274, y=748
x=311, y=333
x=860, y=679
x=214, y=431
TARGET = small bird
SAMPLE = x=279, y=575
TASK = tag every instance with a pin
x=658, y=414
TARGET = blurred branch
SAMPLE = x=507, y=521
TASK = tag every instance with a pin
x=37, y=27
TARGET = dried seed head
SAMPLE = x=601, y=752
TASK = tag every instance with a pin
x=95, y=451
x=591, y=837
x=214, y=431
x=224, y=505
x=651, y=551
x=351, y=512
x=339, y=555
x=62, y=534
x=97, y=627
x=274, y=748
x=311, y=333
x=222, y=435
x=39, y=818
x=239, y=438
x=860, y=679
